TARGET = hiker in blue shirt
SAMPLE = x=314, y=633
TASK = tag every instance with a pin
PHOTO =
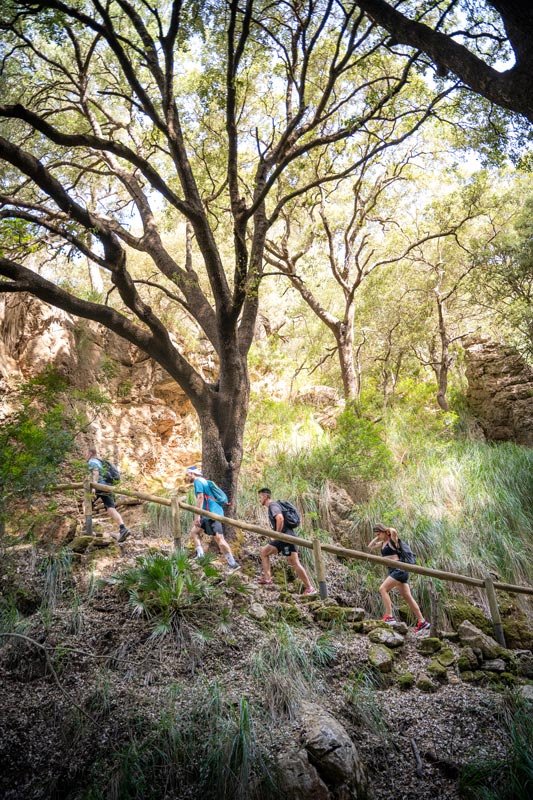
x=98, y=475
x=212, y=527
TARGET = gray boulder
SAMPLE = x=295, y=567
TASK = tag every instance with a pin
x=387, y=637
x=299, y=779
x=494, y=665
x=380, y=657
x=472, y=636
x=332, y=752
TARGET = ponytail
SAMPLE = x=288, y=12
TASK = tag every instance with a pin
x=393, y=533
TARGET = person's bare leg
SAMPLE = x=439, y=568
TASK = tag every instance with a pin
x=195, y=534
x=294, y=561
x=405, y=591
x=265, y=552
x=225, y=549
x=113, y=513
x=388, y=584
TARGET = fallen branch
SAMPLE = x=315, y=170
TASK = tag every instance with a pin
x=418, y=760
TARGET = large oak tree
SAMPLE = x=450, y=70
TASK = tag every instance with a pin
x=124, y=118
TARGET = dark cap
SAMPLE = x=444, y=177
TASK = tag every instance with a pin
x=379, y=528
x=265, y=490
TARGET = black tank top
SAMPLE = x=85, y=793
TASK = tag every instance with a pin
x=388, y=550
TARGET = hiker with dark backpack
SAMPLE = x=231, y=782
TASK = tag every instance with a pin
x=394, y=548
x=211, y=497
x=283, y=518
x=103, y=471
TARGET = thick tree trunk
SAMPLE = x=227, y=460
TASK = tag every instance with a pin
x=222, y=420
x=345, y=342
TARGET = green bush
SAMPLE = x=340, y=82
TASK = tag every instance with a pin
x=169, y=590
x=35, y=440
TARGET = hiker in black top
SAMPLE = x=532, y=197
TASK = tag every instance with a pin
x=387, y=539
x=277, y=523
x=96, y=468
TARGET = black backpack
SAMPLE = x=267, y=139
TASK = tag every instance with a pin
x=290, y=514
x=111, y=474
x=405, y=553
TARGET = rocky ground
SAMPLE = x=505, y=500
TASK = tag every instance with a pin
x=384, y=714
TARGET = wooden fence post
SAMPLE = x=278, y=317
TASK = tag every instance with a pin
x=88, y=506
x=494, y=611
x=434, y=610
x=319, y=569
x=176, y=521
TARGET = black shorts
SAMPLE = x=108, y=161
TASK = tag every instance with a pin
x=399, y=575
x=284, y=548
x=211, y=526
x=107, y=499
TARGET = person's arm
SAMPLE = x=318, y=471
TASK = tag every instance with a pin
x=200, y=499
x=373, y=545
x=280, y=522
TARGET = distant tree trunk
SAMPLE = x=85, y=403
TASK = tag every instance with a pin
x=345, y=343
x=444, y=362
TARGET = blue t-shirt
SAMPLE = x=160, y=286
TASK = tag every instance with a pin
x=201, y=487
x=95, y=463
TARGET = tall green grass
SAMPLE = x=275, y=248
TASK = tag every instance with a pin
x=464, y=506
x=467, y=507
x=510, y=777
x=203, y=745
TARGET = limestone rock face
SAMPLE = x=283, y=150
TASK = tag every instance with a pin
x=147, y=428
x=500, y=391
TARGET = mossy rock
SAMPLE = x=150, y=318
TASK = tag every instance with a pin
x=518, y=633
x=286, y=597
x=473, y=676
x=81, y=544
x=470, y=657
x=428, y=646
x=437, y=670
x=112, y=550
x=508, y=679
x=459, y=609
x=463, y=664
x=446, y=657
x=339, y=614
x=425, y=684
x=356, y=627
x=380, y=657
x=289, y=612
x=405, y=681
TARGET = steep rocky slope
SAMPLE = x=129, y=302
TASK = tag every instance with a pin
x=340, y=705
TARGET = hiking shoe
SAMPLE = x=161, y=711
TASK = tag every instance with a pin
x=310, y=590
x=123, y=534
x=234, y=567
x=388, y=619
x=421, y=626
x=264, y=581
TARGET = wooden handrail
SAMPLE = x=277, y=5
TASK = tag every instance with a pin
x=343, y=552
